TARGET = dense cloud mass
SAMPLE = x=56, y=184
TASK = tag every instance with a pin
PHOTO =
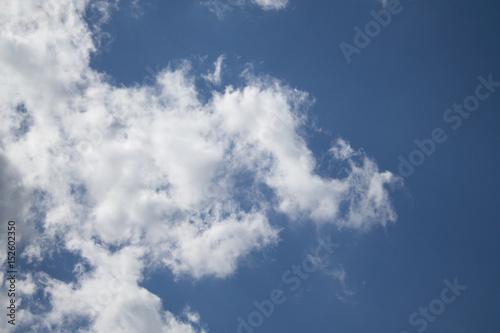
x=125, y=177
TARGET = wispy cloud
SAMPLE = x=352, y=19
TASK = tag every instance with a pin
x=271, y=4
x=216, y=76
x=218, y=7
x=221, y=7
x=340, y=275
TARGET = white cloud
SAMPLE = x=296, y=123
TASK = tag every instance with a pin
x=153, y=171
x=221, y=7
x=14, y=200
x=199, y=250
x=340, y=275
x=271, y=4
x=216, y=76
x=341, y=150
x=217, y=7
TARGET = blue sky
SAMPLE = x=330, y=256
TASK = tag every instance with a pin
x=171, y=164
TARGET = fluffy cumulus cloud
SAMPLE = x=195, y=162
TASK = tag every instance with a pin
x=150, y=175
